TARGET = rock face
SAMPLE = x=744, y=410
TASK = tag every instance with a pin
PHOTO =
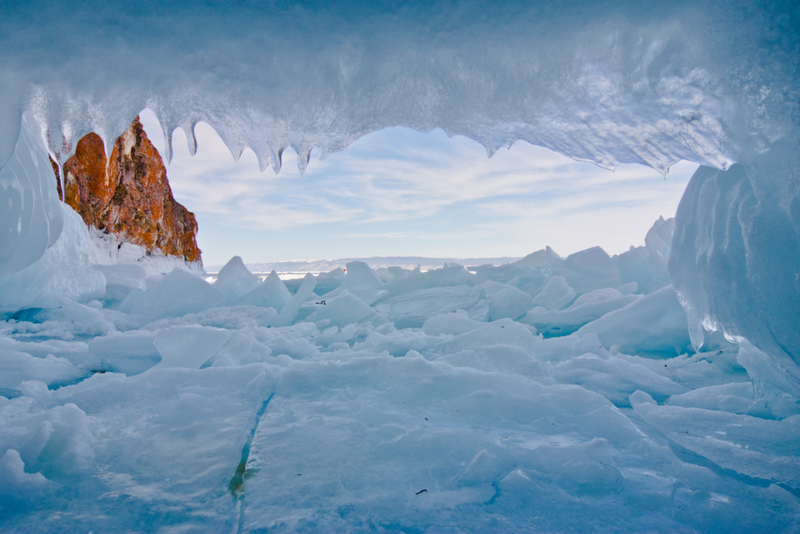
x=128, y=194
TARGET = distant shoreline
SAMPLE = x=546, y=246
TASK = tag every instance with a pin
x=406, y=262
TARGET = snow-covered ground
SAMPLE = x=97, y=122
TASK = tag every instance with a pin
x=545, y=395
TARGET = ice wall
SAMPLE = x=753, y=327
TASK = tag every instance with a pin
x=30, y=215
x=637, y=82
x=735, y=262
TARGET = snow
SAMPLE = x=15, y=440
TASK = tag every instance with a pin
x=408, y=401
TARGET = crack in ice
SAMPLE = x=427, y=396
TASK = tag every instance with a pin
x=236, y=485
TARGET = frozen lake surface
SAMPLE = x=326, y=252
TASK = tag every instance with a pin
x=548, y=394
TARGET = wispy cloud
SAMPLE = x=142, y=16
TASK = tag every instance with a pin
x=399, y=185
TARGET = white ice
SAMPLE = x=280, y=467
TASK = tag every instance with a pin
x=416, y=409
x=419, y=401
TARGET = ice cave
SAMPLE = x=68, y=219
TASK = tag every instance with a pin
x=657, y=391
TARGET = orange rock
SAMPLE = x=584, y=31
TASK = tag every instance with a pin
x=128, y=195
x=86, y=184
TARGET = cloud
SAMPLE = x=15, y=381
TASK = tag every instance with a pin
x=398, y=184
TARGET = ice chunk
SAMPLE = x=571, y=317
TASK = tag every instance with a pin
x=555, y=294
x=748, y=445
x=614, y=378
x=57, y=443
x=634, y=267
x=502, y=332
x=452, y=324
x=359, y=276
x=120, y=280
x=586, y=308
x=361, y=282
x=658, y=242
x=19, y=485
x=653, y=325
x=414, y=308
x=289, y=311
x=541, y=258
x=234, y=279
x=272, y=293
x=241, y=349
x=327, y=282
x=344, y=309
x=188, y=346
x=17, y=367
x=588, y=270
x=737, y=397
x=449, y=275
x=776, y=374
x=505, y=301
x=176, y=294
x=125, y=352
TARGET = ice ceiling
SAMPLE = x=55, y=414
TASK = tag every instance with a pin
x=609, y=82
x=647, y=83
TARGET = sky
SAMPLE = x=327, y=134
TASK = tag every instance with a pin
x=399, y=192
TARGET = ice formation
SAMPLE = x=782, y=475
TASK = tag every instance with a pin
x=711, y=82
x=413, y=400
x=394, y=400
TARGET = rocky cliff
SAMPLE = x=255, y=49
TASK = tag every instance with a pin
x=128, y=194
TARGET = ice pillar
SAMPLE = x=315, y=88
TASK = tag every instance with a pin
x=30, y=215
x=736, y=260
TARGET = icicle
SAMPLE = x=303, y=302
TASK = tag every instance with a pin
x=276, y=160
x=303, y=155
x=262, y=154
x=191, y=139
x=167, y=137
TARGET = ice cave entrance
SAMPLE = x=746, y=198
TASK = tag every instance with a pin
x=402, y=193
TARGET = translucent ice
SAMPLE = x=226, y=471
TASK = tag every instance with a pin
x=586, y=308
x=121, y=279
x=272, y=293
x=588, y=270
x=188, y=346
x=235, y=279
x=63, y=270
x=734, y=262
x=178, y=293
x=655, y=324
x=344, y=309
x=31, y=217
x=555, y=294
x=125, y=352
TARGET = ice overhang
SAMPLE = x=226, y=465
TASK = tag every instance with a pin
x=609, y=82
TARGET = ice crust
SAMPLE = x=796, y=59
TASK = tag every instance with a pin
x=413, y=402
